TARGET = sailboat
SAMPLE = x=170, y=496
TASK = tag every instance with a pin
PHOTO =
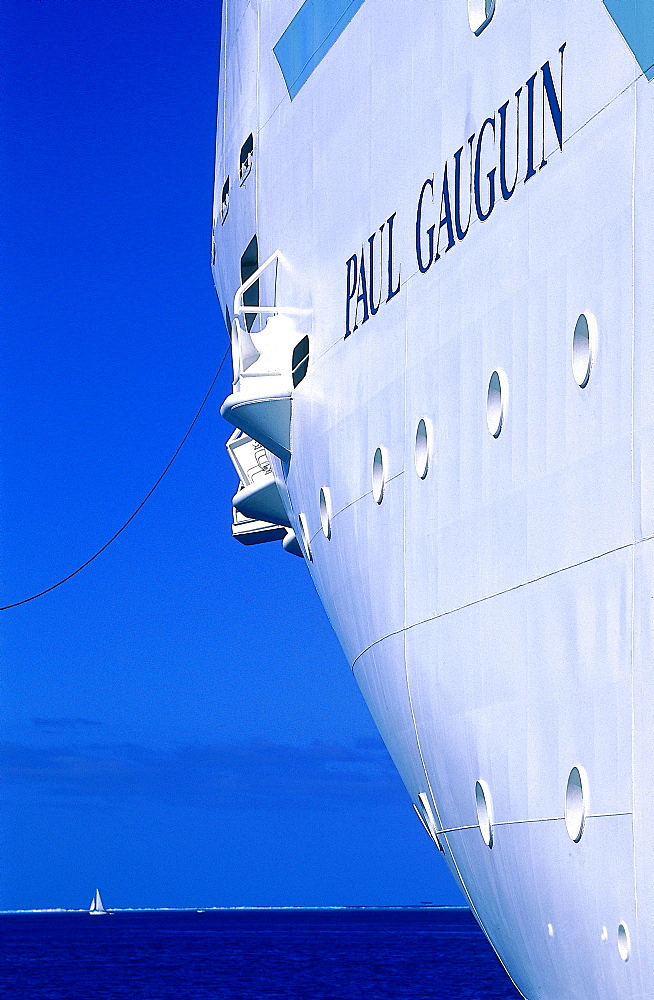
x=97, y=906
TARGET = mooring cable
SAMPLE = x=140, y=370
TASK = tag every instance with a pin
x=142, y=504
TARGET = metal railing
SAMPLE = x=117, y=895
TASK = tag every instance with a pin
x=240, y=308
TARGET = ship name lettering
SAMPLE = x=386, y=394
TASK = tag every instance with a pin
x=468, y=190
x=485, y=155
x=371, y=275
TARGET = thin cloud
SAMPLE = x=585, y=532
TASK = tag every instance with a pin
x=221, y=775
x=64, y=723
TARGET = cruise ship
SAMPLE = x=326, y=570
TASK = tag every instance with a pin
x=433, y=244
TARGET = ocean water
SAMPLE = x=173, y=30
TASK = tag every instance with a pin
x=356, y=954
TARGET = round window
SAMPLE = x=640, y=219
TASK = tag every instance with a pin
x=624, y=942
x=479, y=14
x=304, y=531
x=576, y=803
x=584, y=347
x=422, y=452
x=379, y=474
x=484, y=804
x=496, y=402
x=325, y=505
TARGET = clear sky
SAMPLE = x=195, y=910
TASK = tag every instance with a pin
x=178, y=723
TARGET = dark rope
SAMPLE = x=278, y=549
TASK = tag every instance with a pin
x=142, y=504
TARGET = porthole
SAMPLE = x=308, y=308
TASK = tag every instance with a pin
x=224, y=202
x=379, y=474
x=245, y=159
x=300, y=361
x=304, y=531
x=480, y=13
x=624, y=942
x=484, y=804
x=497, y=402
x=422, y=453
x=584, y=347
x=426, y=817
x=325, y=505
x=576, y=803
x=550, y=930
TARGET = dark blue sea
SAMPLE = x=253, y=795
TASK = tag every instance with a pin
x=422, y=954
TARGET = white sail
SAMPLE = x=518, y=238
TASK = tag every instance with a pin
x=96, y=904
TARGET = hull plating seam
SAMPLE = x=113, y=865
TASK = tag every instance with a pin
x=501, y=593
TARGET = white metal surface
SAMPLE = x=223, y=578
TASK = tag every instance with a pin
x=497, y=611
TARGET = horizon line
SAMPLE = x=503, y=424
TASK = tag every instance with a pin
x=226, y=909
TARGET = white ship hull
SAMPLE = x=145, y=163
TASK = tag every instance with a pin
x=497, y=611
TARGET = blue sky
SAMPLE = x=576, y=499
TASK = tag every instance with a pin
x=178, y=723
